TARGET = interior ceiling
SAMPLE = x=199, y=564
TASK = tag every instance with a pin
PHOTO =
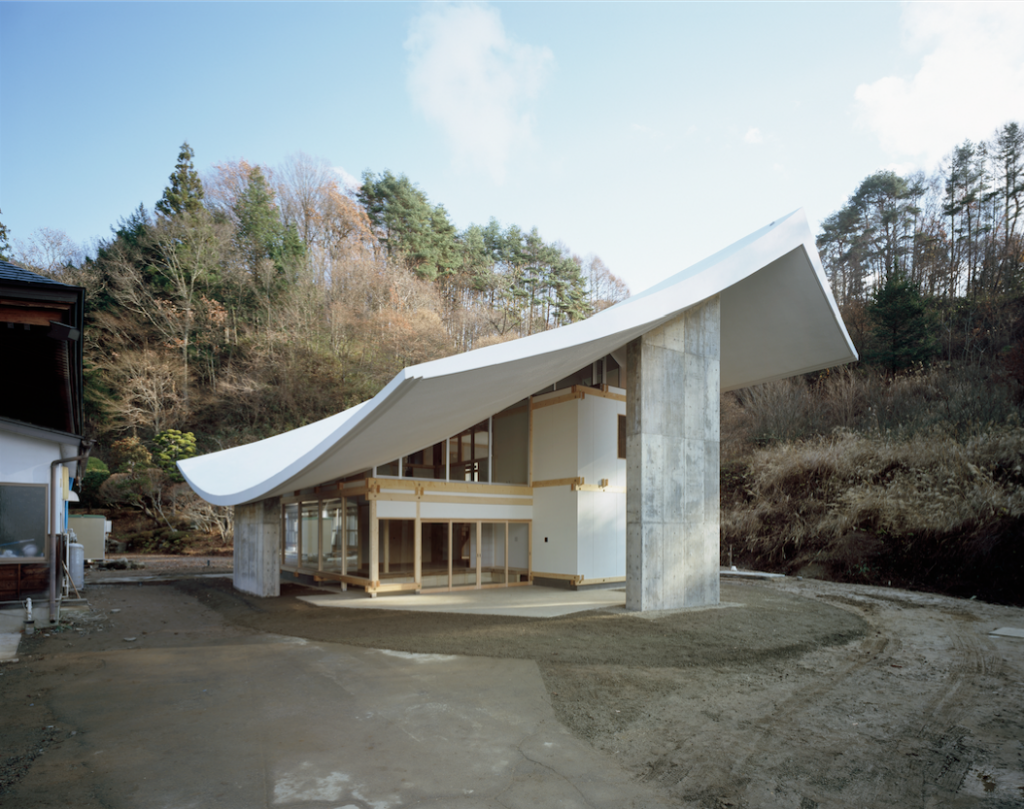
x=779, y=319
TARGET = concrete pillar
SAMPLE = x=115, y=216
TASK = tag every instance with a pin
x=258, y=548
x=672, y=463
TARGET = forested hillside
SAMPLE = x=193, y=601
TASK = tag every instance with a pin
x=257, y=299
x=907, y=468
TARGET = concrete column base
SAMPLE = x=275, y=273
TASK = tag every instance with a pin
x=258, y=548
x=672, y=463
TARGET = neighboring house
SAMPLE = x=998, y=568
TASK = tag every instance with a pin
x=40, y=423
x=587, y=454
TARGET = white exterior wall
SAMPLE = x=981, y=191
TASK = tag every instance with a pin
x=601, y=516
x=598, y=439
x=586, y=531
x=555, y=449
x=555, y=454
x=554, y=517
x=601, y=534
x=26, y=459
x=467, y=512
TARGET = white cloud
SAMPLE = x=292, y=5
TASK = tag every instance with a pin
x=753, y=135
x=348, y=182
x=969, y=82
x=468, y=77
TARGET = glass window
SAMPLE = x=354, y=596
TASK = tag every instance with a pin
x=22, y=522
x=291, y=534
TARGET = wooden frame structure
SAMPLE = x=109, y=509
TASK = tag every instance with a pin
x=373, y=545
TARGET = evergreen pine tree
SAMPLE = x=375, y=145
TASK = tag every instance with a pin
x=901, y=325
x=185, y=193
x=4, y=243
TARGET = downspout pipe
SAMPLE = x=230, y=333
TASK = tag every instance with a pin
x=84, y=458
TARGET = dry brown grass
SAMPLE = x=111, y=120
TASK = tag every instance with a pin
x=931, y=484
x=960, y=400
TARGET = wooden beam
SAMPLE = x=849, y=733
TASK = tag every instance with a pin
x=604, y=394
x=567, y=397
x=396, y=586
x=573, y=482
x=575, y=578
x=384, y=486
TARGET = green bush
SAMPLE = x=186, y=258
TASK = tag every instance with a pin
x=96, y=474
x=172, y=446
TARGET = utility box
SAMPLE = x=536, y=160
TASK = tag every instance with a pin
x=92, y=531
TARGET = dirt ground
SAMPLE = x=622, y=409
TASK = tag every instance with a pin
x=795, y=694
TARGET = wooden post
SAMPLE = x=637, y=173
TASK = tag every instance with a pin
x=284, y=532
x=529, y=441
x=319, y=534
x=529, y=551
x=386, y=541
x=479, y=532
x=417, y=550
x=449, y=554
x=344, y=542
x=374, y=573
x=298, y=535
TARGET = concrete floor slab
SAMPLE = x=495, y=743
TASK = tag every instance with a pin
x=525, y=602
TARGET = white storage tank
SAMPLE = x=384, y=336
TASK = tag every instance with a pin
x=76, y=564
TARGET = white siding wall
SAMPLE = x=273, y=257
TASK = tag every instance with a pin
x=601, y=534
x=554, y=441
x=554, y=517
x=24, y=459
x=467, y=512
x=598, y=440
x=601, y=516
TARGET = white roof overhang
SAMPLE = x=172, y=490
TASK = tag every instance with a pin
x=778, y=315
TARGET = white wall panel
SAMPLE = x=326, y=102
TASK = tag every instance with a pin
x=554, y=517
x=465, y=511
x=26, y=460
x=598, y=440
x=554, y=441
x=601, y=534
x=395, y=510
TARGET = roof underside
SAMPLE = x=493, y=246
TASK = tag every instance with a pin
x=779, y=319
x=42, y=366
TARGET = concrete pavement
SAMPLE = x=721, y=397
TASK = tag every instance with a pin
x=216, y=716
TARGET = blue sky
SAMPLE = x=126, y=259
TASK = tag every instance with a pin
x=650, y=134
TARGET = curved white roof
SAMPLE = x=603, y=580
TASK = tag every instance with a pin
x=779, y=319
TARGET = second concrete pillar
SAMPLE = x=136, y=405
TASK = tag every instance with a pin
x=672, y=462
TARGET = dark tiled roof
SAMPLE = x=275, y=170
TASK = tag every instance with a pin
x=12, y=272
